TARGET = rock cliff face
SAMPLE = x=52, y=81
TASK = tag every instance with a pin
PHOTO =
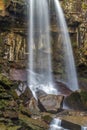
x=76, y=17
x=13, y=39
x=13, y=34
x=15, y=46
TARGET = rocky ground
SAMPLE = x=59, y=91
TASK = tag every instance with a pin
x=20, y=111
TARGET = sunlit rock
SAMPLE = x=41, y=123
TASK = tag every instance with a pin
x=50, y=103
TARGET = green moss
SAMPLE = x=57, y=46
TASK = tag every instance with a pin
x=74, y=100
x=3, y=104
x=83, y=96
x=7, y=83
x=82, y=79
x=78, y=100
x=47, y=118
x=4, y=127
x=5, y=80
x=13, y=128
x=14, y=94
x=75, y=96
x=34, y=124
x=4, y=95
x=84, y=6
x=2, y=89
x=24, y=111
x=5, y=1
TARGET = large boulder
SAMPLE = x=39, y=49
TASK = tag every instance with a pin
x=32, y=105
x=62, y=88
x=70, y=125
x=77, y=100
x=61, y=124
x=50, y=103
x=73, y=120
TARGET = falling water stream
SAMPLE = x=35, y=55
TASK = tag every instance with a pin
x=68, y=53
x=83, y=128
x=40, y=69
x=39, y=59
x=55, y=124
x=68, y=58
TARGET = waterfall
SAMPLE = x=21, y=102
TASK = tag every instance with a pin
x=83, y=128
x=39, y=58
x=68, y=53
x=39, y=48
x=55, y=124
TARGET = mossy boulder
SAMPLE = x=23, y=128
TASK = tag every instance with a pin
x=10, y=114
x=83, y=95
x=47, y=118
x=3, y=104
x=34, y=124
x=14, y=94
x=7, y=83
x=72, y=117
x=77, y=100
x=24, y=110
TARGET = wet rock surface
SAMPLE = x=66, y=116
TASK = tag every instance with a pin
x=25, y=112
x=70, y=125
x=50, y=103
x=73, y=118
x=62, y=88
x=18, y=74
